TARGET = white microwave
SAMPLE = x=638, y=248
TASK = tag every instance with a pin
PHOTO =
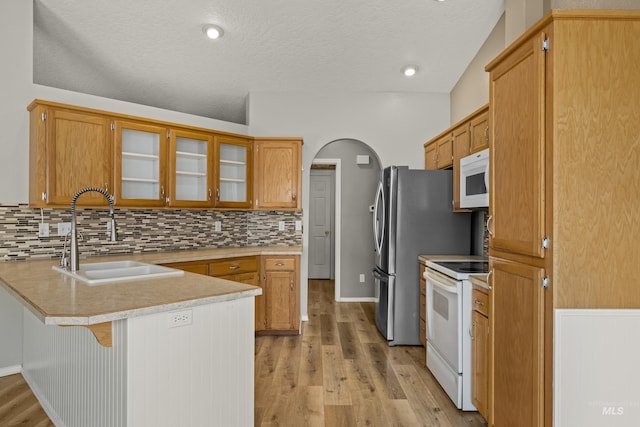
x=474, y=180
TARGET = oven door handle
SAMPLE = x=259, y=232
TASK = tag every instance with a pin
x=450, y=286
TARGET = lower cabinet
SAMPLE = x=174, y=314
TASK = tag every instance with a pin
x=481, y=351
x=281, y=289
x=517, y=325
x=243, y=270
x=277, y=309
x=423, y=306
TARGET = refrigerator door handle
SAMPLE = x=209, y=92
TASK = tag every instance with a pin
x=378, y=233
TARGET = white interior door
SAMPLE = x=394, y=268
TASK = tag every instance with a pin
x=321, y=224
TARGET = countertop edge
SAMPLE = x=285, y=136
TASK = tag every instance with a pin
x=128, y=314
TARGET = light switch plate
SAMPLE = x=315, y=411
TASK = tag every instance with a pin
x=298, y=225
x=280, y=225
x=217, y=225
x=43, y=229
x=64, y=228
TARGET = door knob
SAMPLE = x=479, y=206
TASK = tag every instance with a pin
x=326, y=232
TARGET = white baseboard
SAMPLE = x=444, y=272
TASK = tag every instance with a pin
x=44, y=403
x=10, y=370
x=357, y=299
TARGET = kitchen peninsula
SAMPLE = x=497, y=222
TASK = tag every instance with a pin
x=125, y=360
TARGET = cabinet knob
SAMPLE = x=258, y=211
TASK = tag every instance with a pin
x=234, y=267
x=293, y=196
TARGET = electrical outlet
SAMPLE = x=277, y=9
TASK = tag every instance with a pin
x=64, y=228
x=280, y=225
x=180, y=318
x=43, y=229
x=298, y=225
x=217, y=226
x=362, y=278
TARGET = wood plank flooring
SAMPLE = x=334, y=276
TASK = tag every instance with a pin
x=18, y=405
x=341, y=372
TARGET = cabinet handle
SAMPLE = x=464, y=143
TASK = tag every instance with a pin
x=218, y=194
x=489, y=279
x=471, y=330
x=486, y=133
x=489, y=230
x=279, y=264
x=209, y=194
x=106, y=187
x=291, y=285
x=476, y=301
x=293, y=196
x=234, y=267
x=162, y=191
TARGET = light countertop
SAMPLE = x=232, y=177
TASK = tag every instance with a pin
x=57, y=299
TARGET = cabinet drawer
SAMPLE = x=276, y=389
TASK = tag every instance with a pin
x=227, y=266
x=190, y=266
x=280, y=264
x=480, y=302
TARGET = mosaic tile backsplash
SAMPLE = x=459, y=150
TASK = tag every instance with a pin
x=141, y=231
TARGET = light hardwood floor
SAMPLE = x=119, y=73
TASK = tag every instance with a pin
x=341, y=372
x=18, y=405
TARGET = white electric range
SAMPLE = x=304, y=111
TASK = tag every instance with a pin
x=449, y=324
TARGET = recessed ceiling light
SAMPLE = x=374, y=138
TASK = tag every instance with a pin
x=212, y=31
x=410, y=70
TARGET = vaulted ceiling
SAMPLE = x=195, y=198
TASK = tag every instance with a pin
x=154, y=52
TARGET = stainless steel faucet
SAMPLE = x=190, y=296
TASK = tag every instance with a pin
x=75, y=255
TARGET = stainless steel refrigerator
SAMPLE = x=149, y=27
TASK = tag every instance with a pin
x=412, y=216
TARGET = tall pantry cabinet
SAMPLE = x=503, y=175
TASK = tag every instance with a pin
x=565, y=150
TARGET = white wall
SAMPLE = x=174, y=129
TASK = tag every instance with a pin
x=395, y=125
x=472, y=89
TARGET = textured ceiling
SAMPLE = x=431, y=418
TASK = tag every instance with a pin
x=153, y=52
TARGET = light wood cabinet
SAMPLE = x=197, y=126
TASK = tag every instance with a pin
x=561, y=166
x=281, y=287
x=278, y=168
x=233, y=172
x=69, y=150
x=479, y=130
x=423, y=306
x=243, y=270
x=517, y=325
x=140, y=163
x=190, y=169
x=439, y=154
x=277, y=310
x=461, y=148
x=150, y=163
x=445, y=150
x=481, y=350
x=198, y=267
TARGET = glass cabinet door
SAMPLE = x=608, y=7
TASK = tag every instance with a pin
x=190, y=167
x=140, y=164
x=233, y=187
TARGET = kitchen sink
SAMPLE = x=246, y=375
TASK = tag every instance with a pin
x=99, y=273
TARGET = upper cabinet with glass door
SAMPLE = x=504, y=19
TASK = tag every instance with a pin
x=140, y=164
x=233, y=185
x=191, y=164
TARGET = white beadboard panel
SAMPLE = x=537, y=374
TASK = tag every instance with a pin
x=596, y=370
x=200, y=374
x=77, y=381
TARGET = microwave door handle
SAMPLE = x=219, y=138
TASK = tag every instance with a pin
x=486, y=176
